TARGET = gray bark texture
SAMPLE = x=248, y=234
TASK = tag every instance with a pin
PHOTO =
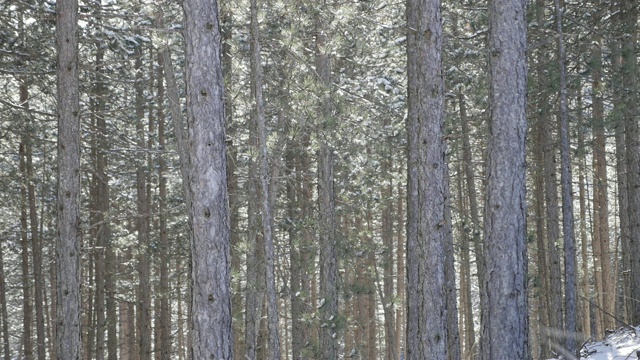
x=630, y=73
x=328, y=260
x=211, y=330
x=427, y=228
x=267, y=220
x=68, y=345
x=570, y=294
x=504, y=318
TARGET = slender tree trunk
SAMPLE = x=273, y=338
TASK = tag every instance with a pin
x=585, y=292
x=401, y=291
x=6, y=350
x=100, y=201
x=570, y=293
x=36, y=243
x=328, y=297
x=466, y=298
x=226, y=17
x=296, y=296
x=165, y=349
x=68, y=201
x=553, y=229
x=474, y=227
x=256, y=66
x=621, y=177
x=27, y=310
x=143, y=313
x=369, y=306
x=453, y=331
x=211, y=296
x=629, y=100
x=505, y=320
x=387, y=262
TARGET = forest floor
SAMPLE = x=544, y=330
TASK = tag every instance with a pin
x=623, y=344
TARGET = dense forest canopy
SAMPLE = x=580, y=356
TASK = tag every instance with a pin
x=302, y=179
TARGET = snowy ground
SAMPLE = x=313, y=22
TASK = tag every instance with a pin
x=623, y=344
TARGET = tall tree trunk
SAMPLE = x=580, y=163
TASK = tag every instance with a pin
x=504, y=320
x=621, y=173
x=629, y=100
x=255, y=258
x=428, y=229
x=27, y=310
x=585, y=291
x=606, y=293
x=68, y=201
x=226, y=18
x=328, y=303
x=212, y=335
x=387, y=243
x=570, y=293
x=466, y=297
x=6, y=350
x=267, y=233
x=328, y=294
x=474, y=228
x=99, y=194
x=553, y=228
x=400, y=315
x=143, y=313
x=36, y=243
x=165, y=299
x=453, y=331
x=295, y=251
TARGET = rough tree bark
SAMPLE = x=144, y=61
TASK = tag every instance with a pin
x=504, y=320
x=68, y=201
x=328, y=303
x=211, y=333
x=427, y=227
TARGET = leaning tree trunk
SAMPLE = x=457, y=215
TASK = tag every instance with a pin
x=212, y=336
x=68, y=345
x=505, y=321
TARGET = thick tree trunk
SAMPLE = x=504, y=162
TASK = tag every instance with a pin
x=211, y=295
x=68, y=200
x=428, y=229
x=505, y=320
